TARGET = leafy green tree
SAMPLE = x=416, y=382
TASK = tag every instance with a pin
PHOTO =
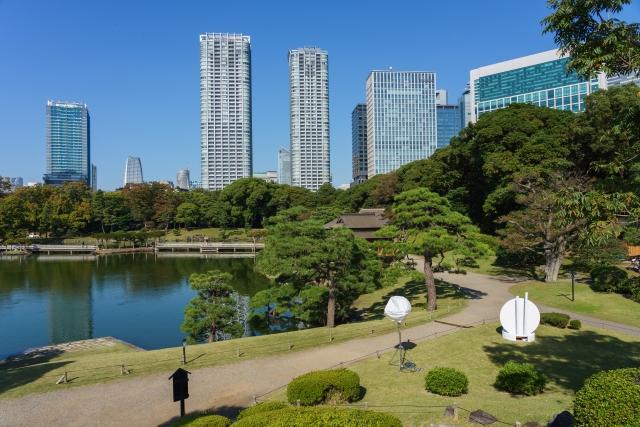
x=111, y=212
x=305, y=253
x=188, y=214
x=213, y=312
x=424, y=223
x=248, y=201
x=596, y=41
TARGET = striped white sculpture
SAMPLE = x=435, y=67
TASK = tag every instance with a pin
x=519, y=318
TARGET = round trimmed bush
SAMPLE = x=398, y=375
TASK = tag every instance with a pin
x=446, y=382
x=558, y=320
x=608, y=279
x=313, y=388
x=575, y=324
x=609, y=398
x=262, y=407
x=204, y=421
x=319, y=416
x=520, y=378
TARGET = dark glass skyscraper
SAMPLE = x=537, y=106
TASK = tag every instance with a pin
x=359, y=143
x=449, y=123
x=68, y=143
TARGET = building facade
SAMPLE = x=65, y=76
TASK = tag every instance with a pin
x=269, y=176
x=68, y=139
x=284, y=166
x=466, y=107
x=401, y=119
x=623, y=80
x=133, y=171
x=183, y=180
x=225, y=109
x=309, y=117
x=359, y=144
x=540, y=79
x=449, y=123
x=94, y=177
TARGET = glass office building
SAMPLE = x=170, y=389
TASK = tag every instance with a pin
x=284, y=166
x=133, y=171
x=449, y=123
x=359, y=143
x=183, y=180
x=225, y=109
x=540, y=79
x=68, y=143
x=401, y=119
x=309, y=117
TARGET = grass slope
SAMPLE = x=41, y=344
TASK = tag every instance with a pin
x=566, y=356
x=40, y=375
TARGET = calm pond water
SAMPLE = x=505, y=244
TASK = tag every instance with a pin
x=139, y=298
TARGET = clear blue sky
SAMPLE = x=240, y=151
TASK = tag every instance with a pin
x=136, y=65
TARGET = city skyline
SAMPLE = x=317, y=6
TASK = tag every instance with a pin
x=141, y=82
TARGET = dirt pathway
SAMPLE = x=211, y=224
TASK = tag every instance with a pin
x=146, y=401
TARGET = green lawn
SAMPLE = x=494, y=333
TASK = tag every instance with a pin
x=605, y=306
x=40, y=375
x=567, y=357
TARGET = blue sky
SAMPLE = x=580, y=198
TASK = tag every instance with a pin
x=136, y=65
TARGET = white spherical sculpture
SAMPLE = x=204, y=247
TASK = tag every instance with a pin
x=519, y=318
x=397, y=309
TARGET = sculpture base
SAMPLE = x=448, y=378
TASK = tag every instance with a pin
x=513, y=337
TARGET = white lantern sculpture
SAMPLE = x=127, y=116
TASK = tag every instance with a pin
x=519, y=318
x=397, y=309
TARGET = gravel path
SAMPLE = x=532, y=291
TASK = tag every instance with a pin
x=146, y=401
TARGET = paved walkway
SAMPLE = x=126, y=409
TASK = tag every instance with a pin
x=146, y=401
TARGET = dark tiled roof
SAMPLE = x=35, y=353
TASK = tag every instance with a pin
x=358, y=221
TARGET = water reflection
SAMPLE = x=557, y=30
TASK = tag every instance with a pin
x=139, y=298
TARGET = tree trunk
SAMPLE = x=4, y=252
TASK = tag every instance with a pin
x=553, y=255
x=212, y=332
x=331, y=306
x=430, y=281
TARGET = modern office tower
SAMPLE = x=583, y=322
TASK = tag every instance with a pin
x=401, y=119
x=68, y=143
x=540, y=79
x=623, y=80
x=449, y=123
x=16, y=182
x=466, y=107
x=133, y=171
x=269, y=176
x=182, y=179
x=442, y=98
x=309, y=117
x=359, y=143
x=94, y=177
x=225, y=109
x=284, y=166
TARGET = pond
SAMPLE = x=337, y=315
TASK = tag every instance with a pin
x=138, y=298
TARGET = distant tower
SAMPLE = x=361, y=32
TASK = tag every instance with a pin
x=68, y=143
x=94, y=177
x=359, y=143
x=182, y=179
x=133, y=171
x=284, y=166
x=309, y=117
x=225, y=109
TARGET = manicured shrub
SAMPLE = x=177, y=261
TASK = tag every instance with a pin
x=313, y=388
x=558, y=320
x=204, y=421
x=262, y=407
x=575, y=324
x=632, y=288
x=608, y=279
x=609, y=398
x=446, y=382
x=319, y=416
x=520, y=378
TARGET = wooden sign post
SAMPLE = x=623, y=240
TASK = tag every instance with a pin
x=180, y=387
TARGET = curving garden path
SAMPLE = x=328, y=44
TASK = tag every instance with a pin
x=146, y=401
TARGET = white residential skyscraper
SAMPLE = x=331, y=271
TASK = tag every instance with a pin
x=309, y=117
x=225, y=109
x=284, y=166
x=401, y=119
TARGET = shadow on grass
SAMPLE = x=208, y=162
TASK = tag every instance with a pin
x=226, y=411
x=18, y=371
x=569, y=360
x=415, y=292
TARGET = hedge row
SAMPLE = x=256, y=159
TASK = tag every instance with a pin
x=339, y=385
x=559, y=320
x=320, y=416
x=615, y=280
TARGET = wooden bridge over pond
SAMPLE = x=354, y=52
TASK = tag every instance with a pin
x=215, y=248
